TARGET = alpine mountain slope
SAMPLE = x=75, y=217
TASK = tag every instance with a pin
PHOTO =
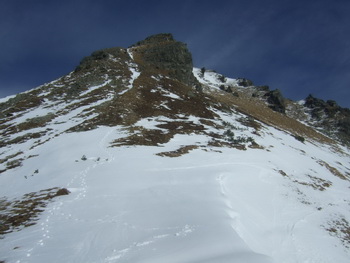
x=137, y=156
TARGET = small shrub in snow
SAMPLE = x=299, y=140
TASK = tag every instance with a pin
x=243, y=139
x=229, y=135
x=62, y=191
x=83, y=158
x=299, y=138
x=13, y=164
x=232, y=127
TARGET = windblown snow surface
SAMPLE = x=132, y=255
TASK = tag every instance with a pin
x=214, y=204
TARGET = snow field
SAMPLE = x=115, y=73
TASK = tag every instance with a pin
x=129, y=205
x=211, y=205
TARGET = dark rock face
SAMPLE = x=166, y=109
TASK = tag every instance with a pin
x=158, y=53
x=155, y=39
x=162, y=52
x=244, y=82
x=320, y=108
x=330, y=116
x=96, y=58
x=276, y=101
x=263, y=88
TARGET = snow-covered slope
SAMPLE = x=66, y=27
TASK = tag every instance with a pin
x=179, y=182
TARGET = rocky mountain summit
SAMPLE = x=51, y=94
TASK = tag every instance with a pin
x=132, y=74
x=137, y=156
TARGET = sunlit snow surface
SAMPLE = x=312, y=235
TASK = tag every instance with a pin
x=128, y=204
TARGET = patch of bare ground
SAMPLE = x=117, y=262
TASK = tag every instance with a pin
x=23, y=138
x=221, y=143
x=340, y=228
x=257, y=109
x=211, y=124
x=316, y=183
x=32, y=123
x=156, y=137
x=35, y=122
x=250, y=122
x=283, y=173
x=20, y=102
x=10, y=157
x=144, y=137
x=24, y=212
x=179, y=152
x=333, y=170
x=11, y=164
x=255, y=145
x=182, y=127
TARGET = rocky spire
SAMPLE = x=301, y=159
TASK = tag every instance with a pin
x=162, y=52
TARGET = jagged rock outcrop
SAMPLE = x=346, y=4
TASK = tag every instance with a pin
x=320, y=107
x=162, y=53
x=329, y=116
x=100, y=59
x=244, y=82
x=276, y=101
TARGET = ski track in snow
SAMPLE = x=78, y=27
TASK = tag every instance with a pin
x=136, y=246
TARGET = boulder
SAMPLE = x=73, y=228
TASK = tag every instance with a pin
x=276, y=101
x=244, y=82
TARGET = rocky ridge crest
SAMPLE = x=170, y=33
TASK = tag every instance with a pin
x=154, y=78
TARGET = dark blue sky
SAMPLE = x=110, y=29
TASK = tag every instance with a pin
x=297, y=46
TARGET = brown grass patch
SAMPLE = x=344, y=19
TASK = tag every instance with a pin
x=333, y=170
x=340, y=228
x=24, y=212
x=257, y=109
x=255, y=145
x=181, y=151
x=10, y=157
x=250, y=122
x=35, y=122
x=144, y=137
x=181, y=127
x=220, y=143
x=23, y=138
x=316, y=183
x=14, y=163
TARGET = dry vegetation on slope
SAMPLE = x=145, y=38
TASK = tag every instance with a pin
x=259, y=110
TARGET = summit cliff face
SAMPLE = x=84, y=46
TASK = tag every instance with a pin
x=161, y=53
x=137, y=156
